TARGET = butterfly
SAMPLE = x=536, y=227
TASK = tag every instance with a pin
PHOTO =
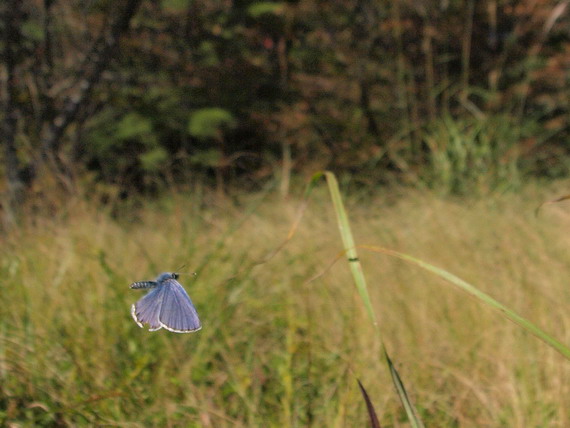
x=167, y=305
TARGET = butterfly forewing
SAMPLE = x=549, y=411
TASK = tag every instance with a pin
x=177, y=311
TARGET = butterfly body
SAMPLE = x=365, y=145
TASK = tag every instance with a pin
x=167, y=305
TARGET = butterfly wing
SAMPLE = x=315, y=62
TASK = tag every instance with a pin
x=147, y=309
x=177, y=313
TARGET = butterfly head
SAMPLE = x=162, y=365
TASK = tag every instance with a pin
x=166, y=275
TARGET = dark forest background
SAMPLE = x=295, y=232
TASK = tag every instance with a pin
x=134, y=95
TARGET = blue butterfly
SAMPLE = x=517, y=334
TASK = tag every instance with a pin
x=167, y=306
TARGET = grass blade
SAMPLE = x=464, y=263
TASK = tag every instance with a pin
x=374, y=422
x=485, y=298
x=554, y=201
x=360, y=281
x=410, y=410
x=349, y=246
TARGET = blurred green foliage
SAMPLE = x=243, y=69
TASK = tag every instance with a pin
x=467, y=155
x=256, y=10
x=209, y=158
x=364, y=88
x=210, y=122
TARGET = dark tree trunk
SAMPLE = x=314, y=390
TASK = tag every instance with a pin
x=12, y=39
x=373, y=127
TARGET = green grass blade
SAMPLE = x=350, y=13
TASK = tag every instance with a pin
x=406, y=402
x=485, y=298
x=360, y=281
x=349, y=246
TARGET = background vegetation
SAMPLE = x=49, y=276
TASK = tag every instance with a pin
x=147, y=93
x=144, y=135
x=276, y=349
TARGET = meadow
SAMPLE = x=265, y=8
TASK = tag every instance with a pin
x=285, y=335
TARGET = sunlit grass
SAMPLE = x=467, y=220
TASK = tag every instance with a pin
x=275, y=349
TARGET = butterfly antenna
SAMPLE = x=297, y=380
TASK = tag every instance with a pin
x=187, y=273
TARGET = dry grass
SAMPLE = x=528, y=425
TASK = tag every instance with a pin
x=276, y=350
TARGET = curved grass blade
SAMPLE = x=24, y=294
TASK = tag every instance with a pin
x=360, y=281
x=485, y=298
x=554, y=201
x=374, y=422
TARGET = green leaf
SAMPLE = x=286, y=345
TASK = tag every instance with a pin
x=153, y=159
x=175, y=5
x=209, y=122
x=208, y=54
x=33, y=30
x=255, y=10
x=133, y=125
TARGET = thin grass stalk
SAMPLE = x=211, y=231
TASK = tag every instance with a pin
x=414, y=106
x=286, y=166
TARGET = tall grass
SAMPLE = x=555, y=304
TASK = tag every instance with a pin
x=277, y=349
x=475, y=154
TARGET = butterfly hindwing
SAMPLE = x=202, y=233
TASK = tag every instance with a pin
x=147, y=310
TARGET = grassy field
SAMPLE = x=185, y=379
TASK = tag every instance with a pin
x=276, y=349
